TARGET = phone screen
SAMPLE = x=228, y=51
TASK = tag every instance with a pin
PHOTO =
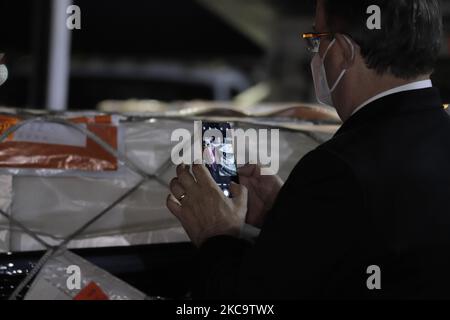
x=218, y=154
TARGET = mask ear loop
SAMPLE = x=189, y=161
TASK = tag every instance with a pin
x=351, y=45
x=328, y=49
x=345, y=70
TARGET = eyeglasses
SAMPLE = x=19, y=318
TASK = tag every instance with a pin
x=313, y=40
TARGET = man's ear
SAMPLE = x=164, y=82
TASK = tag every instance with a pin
x=349, y=49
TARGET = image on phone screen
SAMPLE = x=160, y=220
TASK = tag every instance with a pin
x=218, y=154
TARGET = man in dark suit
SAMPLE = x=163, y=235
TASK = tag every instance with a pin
x=365, y=215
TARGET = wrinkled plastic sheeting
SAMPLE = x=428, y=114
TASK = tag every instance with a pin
x=55, y=207
x=23, y=242
x=5, y=204
x=51, y=283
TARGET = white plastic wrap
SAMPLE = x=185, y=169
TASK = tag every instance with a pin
x=51, y=283
x=6, y=193
x=55, y=207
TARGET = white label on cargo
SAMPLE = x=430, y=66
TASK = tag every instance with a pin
x=51, y=133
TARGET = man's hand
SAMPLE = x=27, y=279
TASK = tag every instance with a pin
x=262, y=192
x=202, y=208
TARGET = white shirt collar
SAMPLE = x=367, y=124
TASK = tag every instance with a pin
x=408, y=87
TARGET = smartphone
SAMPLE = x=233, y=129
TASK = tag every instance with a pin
x=218, y=154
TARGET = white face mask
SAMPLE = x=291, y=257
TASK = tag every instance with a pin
x=3, y=74
x=323, y=91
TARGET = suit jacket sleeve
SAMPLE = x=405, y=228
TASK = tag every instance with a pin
x=308, y=237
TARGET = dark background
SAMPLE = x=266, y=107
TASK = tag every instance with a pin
x=140, y=32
